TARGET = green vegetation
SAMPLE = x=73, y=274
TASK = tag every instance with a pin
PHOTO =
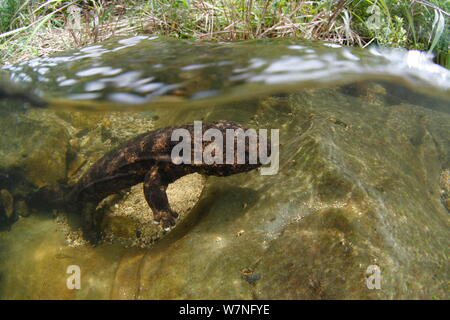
x=32, y=27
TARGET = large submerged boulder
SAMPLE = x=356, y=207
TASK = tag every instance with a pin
x=36, y=147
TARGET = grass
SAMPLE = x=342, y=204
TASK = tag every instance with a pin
x=31, y=27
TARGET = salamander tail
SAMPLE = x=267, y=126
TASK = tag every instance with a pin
x=48, y=197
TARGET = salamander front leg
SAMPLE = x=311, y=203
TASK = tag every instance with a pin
x=155, y=193
x=91, y=220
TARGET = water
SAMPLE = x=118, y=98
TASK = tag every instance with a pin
x=363, y=177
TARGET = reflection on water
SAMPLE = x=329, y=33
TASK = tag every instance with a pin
x=363, y=179
x=149, y=70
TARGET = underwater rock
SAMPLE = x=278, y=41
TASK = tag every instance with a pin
x=81, y=120
x=22, y=209
x=447, y=204
x=75, y=165
x=120, y=226
x=130, y=220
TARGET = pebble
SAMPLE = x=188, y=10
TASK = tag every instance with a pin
x=249, y=275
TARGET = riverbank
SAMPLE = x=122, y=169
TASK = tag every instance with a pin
x=37, y=28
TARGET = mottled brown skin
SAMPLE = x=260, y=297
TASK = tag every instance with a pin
x=145, y=158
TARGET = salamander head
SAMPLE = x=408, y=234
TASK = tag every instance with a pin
x=239, y=151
